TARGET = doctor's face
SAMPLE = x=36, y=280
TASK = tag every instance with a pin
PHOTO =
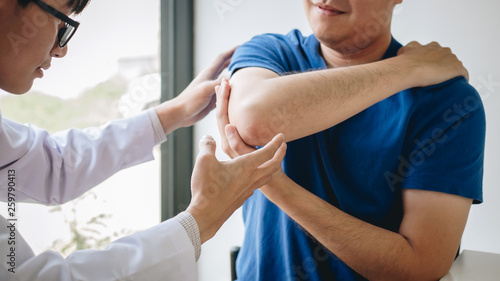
x=355, y=22
x=28, y=42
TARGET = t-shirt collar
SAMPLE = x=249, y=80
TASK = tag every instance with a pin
x=392, y=50
x=314, y=46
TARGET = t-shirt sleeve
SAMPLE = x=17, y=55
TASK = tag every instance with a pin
x=261, y=51
x=446, y=151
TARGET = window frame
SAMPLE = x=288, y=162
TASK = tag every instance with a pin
x=177, y=57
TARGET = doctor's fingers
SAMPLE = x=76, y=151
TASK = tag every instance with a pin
x=223, y=93
x=273, y=153
x=264, y=173
x=207, y=147
x=236, y=144
x=218, y=65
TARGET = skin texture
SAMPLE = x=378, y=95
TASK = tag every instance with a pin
x=354, y=34
x=351, y=32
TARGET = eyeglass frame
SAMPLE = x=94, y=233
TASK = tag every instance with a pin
x=68, y=22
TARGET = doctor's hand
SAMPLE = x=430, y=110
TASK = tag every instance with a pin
x=433, y=64
x=234, y=146
x=220, y=188
x=232, y=143
x=197, y=100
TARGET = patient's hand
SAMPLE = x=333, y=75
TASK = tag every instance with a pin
x=435, y=64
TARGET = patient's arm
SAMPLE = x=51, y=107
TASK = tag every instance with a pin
x=422, y=249
x=263, y=103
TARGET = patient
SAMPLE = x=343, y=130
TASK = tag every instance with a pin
x=382, y=165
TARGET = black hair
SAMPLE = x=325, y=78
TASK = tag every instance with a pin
x=77, y=6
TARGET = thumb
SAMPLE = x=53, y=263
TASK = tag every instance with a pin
x=207, y=145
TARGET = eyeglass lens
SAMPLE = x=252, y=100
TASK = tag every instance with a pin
x=65, y=34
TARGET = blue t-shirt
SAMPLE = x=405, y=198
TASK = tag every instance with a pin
x=422, y=138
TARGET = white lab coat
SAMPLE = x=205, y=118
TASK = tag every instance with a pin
x=54, y=169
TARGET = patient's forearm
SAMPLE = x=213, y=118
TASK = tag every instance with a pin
x=423, y=249
x=263, y=103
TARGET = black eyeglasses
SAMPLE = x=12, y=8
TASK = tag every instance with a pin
x=69, y=28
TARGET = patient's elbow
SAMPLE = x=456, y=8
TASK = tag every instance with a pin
x=254, y=123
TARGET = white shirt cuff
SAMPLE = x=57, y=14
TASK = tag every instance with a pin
x=189, y=223
x=157, y=127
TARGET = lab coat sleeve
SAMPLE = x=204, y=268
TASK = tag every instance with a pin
x=54, y=169
x=163, y=252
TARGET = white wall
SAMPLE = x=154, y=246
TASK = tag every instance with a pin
x=467, y=27
x=471, y=30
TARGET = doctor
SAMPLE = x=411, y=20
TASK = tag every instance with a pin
x=53, y=169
